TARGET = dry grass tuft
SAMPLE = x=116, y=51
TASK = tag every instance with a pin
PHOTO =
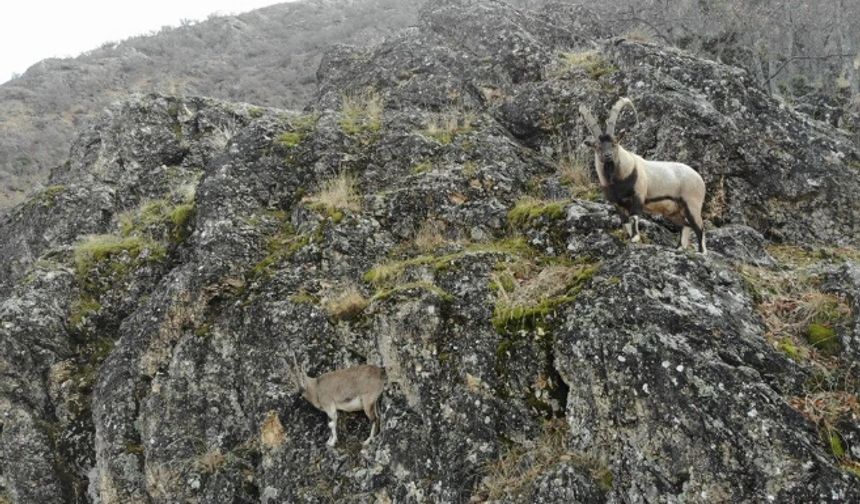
x=430, y=236
x=336, y=195
x=210, y=462
x=272, y=431
x=446, y=127
x=361, y=113
x=574, y=169
x=515, y=471
x=347, y=304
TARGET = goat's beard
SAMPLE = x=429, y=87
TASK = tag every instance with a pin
x=609, y=168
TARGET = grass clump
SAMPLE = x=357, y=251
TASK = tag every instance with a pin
x=430, y=236
x=574, y=171
x=527, y=293
x=279, y=247
x=158, y=219
x=300, y=126
x=800, y=319
x=444, y=129
x=422, y=167
x=82, y=309
x=390, y=271
x=592, y=62
x=529, y=209
x=432, y=288
x=347, y=304
x=511, y=476
x=97, y=249
x=361, y=113
x=336, y=196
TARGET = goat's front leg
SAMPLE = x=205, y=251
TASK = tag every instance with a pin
x=634, y=210
x=332, y=424
x=685, y=237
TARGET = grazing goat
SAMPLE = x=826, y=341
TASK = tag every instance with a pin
x=635, y=184
x=352, y=389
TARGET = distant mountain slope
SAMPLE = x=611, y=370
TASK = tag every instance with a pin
x=268, y=57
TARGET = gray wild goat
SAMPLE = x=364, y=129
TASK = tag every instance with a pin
x=353, y=389
x=635, y=184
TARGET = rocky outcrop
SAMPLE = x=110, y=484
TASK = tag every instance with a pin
x=415, y=218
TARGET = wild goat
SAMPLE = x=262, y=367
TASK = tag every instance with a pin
x=352, y=389
x=632, y=183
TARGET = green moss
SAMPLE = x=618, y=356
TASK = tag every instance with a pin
x=412, y=286
x=591, y=61
x=529, y=209
x=836, y=446
x=158, y=217
x=788, y=347
x=422, y=167
x=823, y=337
x=503, y=282
x=281, y=246
x=301, y=126
x=255, y=112
x=605, y=479
x=203, y=330
x=290, y=139
x=532, y=314
x=135, y=448
x=470, y=168
x=303, y=297
x=101, y=248
x=391, y=270
x=81, y=309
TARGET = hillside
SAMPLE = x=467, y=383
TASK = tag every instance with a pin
x=268, y=56
x=433, y=211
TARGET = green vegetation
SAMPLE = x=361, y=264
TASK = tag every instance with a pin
x=303, y=297
x=81, y=309
x=390, y=271
x=441, y=293
x=301, y=126
x=361, y=114
x=422, y=167
x=592, y=62
x=121, y=252
x=255, y=112
x=158, y=218
x=279, y=247
x=525, y=304
x=529, y=209
x=823, y=338
x=452, y=124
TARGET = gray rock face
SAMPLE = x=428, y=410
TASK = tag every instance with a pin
x=533, y=354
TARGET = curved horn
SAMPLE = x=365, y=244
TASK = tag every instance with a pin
x=613, y=114
x=590, y=121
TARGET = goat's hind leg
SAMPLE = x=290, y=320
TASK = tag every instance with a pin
x=685, y=237
x=373, y=414
x=332, y=424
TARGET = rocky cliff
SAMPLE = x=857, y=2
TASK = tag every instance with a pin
x=433, y=213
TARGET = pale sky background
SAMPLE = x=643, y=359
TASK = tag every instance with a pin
x=32, y=30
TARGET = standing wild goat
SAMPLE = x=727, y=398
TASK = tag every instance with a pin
x=632, y=183
x=352, y=389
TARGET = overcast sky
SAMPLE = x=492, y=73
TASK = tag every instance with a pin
x=32, y=30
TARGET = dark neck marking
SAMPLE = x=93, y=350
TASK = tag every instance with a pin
x=621, y=192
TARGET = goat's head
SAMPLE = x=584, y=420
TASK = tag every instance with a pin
x=300, y=378
x=602, y=140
